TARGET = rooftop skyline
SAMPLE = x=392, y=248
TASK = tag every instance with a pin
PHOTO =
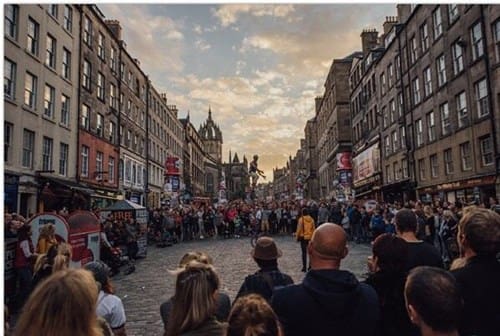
x=259, y=67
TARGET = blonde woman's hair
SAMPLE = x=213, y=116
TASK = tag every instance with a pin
x=47, y=230
x=64, y=304
x=194, y=299
x=448, y=214
x=251, y=315
x=428, y=211
x=64, y=254
x=197, y=256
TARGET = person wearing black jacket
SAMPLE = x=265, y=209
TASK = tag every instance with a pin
x=329, y=301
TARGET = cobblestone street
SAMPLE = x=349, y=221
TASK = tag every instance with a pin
x=144, y=290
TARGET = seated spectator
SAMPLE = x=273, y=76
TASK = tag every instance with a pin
x=193, y=311
x=56, y=259
x=387, y=277
x=433, y=301
x=479, y=277
x=109, y=306
x=223, y=304
x=252, y=315
x=329, y=300
x=420, y=253
x=268, y=277
x=63, y=305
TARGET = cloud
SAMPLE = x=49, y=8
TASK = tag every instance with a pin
x=229, y=14
x=197, y=29
x=202, y=44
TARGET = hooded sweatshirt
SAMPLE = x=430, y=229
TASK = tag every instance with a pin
x=305, y=228
x=328, y=302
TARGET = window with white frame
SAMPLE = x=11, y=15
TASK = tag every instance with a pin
x=28, y=148
x=434, y=165
x=85, y=161
x=441, y=70
x=112, y=59
x=452, y=12
x=416, y=91
x=53, y=9
x=129, y=138
x=404, y=166
x=496, y=37
x=390, y=75
x=85, y=119
x=396, y=170
x=8, y=134
x=477, y=41
x=100, y=125
x=388, y=173
x=437, y=23
x=463, y=116
x=413, y=50
x=9, y=78
x=420, y=132
x=431, y=127
x=128, y=171
x=397, y=63
x=120, y=169
x=86, y=79
x=65, y=110
x=11, y=20
x=66, y=64
x=47, y=149
x=395, y=141
x=100, y=86
x=68, y=18
x=30, y=90
x=112, y=96
x=424, y=37
x=465, y=156
x=33, y=36
x=111, y=169
x=421, y=169
x=101, y=51
x=382, y=83
x=448, y=161
x=482, y=98
x=427, y=82
x=392, y=110
x=385, y=117
x=49, y=101
x=112, y=132
x=50, y=57
x=486, y=150
x=445, y=119
x=63, y=159
x=400, y=104
x=99, y=158
x=458, y=58
x=87, y=31
x=402, y=135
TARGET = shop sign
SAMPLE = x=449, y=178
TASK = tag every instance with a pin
x=367, y=181
x=366, y=163
x=172, y=166
x=344, y=161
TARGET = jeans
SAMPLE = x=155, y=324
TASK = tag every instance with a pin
x=303, y=247
x=25, y=276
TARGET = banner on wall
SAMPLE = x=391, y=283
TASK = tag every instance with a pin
x=172, y=166
x=366, y=163
x=344, y=161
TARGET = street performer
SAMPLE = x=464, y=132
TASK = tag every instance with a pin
x=254, y=171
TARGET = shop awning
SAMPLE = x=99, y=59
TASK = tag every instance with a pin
x=67, y=183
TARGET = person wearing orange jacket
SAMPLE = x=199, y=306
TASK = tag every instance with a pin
x=305, y=230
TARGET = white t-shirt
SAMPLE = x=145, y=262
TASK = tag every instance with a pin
x=110, y=307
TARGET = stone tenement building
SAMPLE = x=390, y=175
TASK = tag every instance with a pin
x=424, y=108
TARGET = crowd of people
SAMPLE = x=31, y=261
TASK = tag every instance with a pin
x=434, y=270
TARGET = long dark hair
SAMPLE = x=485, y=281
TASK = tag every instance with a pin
x=23, y=233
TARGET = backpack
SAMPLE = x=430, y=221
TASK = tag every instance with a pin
x=377, y=223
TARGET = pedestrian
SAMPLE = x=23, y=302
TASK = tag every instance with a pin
x=433, y=302
x=268, y=277
x=63, y=305
x=252, y=315
x=329, y=300
x=193, y=311
x=56, y=259
x=355, y=222
x=387, y=276
x=109, y=306
x=223, y=303
x=47, y=238
x=305, y=230
x=23, y=261
x=420, y=253
x=322, y=213
x=479, y=277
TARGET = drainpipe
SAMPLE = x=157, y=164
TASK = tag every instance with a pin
x=146, y=178
x=77, y=172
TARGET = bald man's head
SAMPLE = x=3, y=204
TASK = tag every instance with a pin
x=329, y=242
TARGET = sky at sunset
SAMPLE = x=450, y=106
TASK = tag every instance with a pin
x=258, y=66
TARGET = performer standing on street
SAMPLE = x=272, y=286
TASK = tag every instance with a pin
x=255, y=171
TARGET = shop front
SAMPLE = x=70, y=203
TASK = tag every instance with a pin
x=102, y=198
x=369, y=188
x=401, y=191
x=473, y=190
x=11, y=191
x=367, y=175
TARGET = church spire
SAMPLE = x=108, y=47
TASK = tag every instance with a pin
x=209, y=113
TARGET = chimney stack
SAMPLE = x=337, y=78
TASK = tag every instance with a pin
x=114, y=26
x=164, y=97
x=390, y=21
x=369, y=40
